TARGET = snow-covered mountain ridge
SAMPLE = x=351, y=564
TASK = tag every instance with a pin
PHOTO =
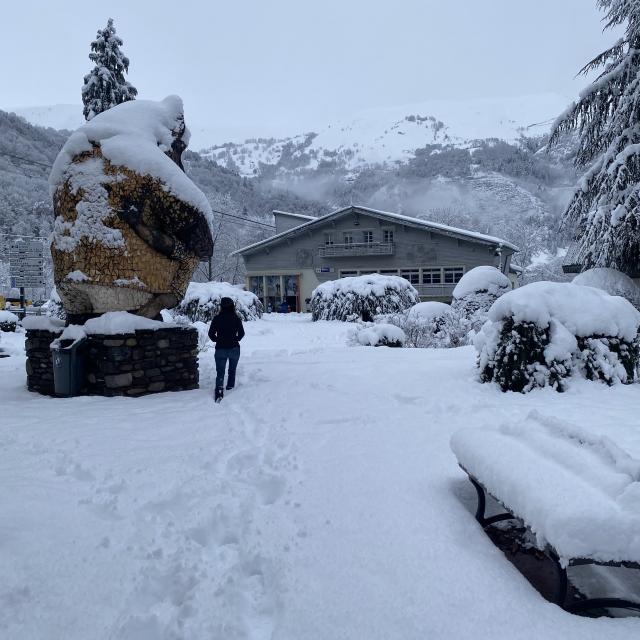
x=379, y=136
x=388, y=136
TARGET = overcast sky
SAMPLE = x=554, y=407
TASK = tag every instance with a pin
x=270, y=66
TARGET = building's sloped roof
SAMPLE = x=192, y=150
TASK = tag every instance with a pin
x=302, y=216
x=395, y=217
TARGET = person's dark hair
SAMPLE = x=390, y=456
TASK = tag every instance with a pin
x=227, y=305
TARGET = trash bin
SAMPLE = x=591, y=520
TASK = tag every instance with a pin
x=68, y=366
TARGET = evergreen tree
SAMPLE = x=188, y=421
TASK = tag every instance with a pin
x=105, y=86
x=605, y=210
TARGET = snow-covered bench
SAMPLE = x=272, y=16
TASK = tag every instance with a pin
x=578, y=493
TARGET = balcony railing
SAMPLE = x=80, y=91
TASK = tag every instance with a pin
x=356, y=249
x=435, y=290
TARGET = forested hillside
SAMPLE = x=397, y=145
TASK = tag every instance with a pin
x=512, y=189
x=243, y=207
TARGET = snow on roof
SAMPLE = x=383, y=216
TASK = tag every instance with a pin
x=136, y=134
x=443, y=227
x=584, y=311
x=483, y=278
x=293, y=215
x=592, y=511
x=417, y=222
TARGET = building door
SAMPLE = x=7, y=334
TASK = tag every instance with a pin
x=291, y=287
x=276, y=292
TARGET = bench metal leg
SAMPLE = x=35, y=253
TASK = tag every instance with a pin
x=482, y=505
x=562, y=582
x=602, y=603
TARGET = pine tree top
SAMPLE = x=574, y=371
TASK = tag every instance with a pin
x=105, y=85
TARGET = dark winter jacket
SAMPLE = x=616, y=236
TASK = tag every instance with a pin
x=226, y=330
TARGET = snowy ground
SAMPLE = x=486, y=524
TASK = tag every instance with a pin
x=320, y=500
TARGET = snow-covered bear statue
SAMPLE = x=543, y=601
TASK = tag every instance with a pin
x=130, y=226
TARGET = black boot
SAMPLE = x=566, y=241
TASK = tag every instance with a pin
x=219, y=394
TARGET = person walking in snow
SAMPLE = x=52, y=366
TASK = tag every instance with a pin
x=226, y=331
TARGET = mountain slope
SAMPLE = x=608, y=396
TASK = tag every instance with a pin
x=391, y=135
x=27, y=153
x=481, y=165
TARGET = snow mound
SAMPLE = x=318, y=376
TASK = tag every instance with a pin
x=482, y=279
x=542, y=333
x=431, y=325
x=428, y=311
x=6, y=317
x=594, y=508
x=378, y=335
x=202, y=301
x=71, y=334
x=362, y=297
x=476, y=292
x=136, y=134
x=121, y=322
x=614, y=282
x=43, y=323
x=584, y=311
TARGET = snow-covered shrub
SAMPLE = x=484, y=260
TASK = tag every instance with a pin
x=203, y=335
x=362, y=297
x=477, y=290
x=53, y=306
x=202, y=301
x=8, y=321
x=377, y=335
x=544, y=332
x=614, y=282
x=433, y=325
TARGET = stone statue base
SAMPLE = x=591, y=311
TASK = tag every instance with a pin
x=129, y=364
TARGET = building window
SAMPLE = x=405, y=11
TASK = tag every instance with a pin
x=432, y=276
x=452, y=275
x=273, y=286
x=348, y=274
x=347, y=237
x=256, y=285
x=328, y=239
x=367, y=237
x=388, y=272
x=412, y=275
x=387, y=235
x=367, y=272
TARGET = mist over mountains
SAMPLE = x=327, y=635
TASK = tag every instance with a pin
x=480, y=165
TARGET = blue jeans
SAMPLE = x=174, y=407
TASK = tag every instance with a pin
x=221, y=357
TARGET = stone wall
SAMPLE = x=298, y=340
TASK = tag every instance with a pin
x=132, y=364
x=143, y=362
x=39, y=361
